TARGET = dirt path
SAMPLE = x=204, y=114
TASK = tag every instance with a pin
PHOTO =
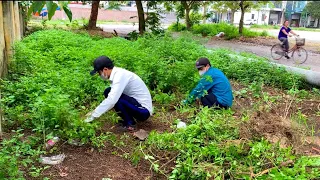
x=312, y=63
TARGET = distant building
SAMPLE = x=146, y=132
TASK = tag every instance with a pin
x=294, y=13
x=271, y=14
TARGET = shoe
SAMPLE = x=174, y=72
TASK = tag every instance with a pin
x=287, y=56
x=128, y=128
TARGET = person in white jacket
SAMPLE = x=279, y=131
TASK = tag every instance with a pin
x=128, y=94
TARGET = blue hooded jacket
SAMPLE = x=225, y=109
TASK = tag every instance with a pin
x=215, y=82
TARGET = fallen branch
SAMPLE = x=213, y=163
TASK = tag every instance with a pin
x=115, y=33
x=267, y=170
x=316, y=149
x=169, y=161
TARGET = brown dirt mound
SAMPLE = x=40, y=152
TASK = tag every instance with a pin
x=274, y=128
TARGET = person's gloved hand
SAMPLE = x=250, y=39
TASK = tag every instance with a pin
x=89, y=117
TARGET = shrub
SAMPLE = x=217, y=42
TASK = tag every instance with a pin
x=176, y=27
x=195, y=18
x=230, y=31
x=264, y=33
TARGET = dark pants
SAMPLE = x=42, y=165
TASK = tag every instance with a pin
x=210, y=100
x=129, y=109
x=285, y=43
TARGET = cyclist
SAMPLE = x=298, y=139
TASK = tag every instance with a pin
x=283, y=36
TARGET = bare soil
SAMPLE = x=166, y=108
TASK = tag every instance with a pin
x=271, y=121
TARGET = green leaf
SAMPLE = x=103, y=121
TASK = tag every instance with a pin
x=67, y=11
x=37, y=6
x=52, y=7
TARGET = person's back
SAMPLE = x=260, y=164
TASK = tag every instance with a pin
x=213, y=89
x=221, y=87
x=136, y=88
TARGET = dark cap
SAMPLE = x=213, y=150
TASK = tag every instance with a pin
x=201, y=62
x=100, y=63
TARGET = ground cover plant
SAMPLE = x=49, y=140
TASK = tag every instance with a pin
x=49, y=90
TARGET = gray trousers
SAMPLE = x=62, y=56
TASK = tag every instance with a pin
x=285, y=42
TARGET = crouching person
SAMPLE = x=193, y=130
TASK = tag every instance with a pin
x=128, y=94
x=213, y=89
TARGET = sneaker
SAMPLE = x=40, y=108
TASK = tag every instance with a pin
x=287, y=56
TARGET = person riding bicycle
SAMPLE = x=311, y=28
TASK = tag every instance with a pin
x=283, y=36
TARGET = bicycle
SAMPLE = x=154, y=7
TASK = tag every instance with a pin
x=299, y=54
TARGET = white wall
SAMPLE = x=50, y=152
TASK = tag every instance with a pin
x=257, y=16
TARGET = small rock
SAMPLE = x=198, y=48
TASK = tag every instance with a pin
x=141, y=134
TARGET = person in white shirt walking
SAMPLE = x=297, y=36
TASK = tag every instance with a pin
x=128, y=94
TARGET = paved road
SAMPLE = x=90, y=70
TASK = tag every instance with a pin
x=309, y=35
x=312, y=63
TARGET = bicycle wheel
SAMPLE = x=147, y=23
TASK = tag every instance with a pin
x=299, y=55
x=277, y=52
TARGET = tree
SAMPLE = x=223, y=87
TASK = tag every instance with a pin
x=313, y=8
x=36, y=6
x=206, y=15
x=94, y=15
x=284, y=6
x=184, y=8
x=247, y=6
x=224, y=6
x=142, y=21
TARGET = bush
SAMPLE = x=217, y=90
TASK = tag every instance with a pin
x=230, y=31
x=213, y=29
x=264, y=33
x=195, y=18
x=177, y=27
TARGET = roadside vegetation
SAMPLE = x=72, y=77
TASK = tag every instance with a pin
x=268, y=133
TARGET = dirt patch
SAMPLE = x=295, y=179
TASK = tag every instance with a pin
x=87, y=163
x=273, y=124
x=274, y=128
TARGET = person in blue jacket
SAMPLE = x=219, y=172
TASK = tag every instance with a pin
x=213, y=89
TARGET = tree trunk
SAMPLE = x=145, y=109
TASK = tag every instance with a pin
x=142, y=21
x=3, y=58
x=16, y=14
x=232, y=16
x=94, y=15
x=187, y=15
x=204, y=13
x=8, y=28
x=242, y=17
x=22, y=20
